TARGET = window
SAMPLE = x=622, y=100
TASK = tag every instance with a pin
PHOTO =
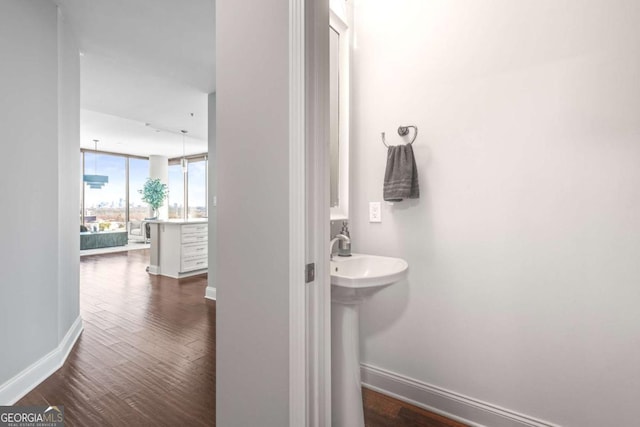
x=188, y=190
x=138, y=174
x=176, y=191
x=107, y=205
x=81, y=207
x=197, y=189
x=119, y=201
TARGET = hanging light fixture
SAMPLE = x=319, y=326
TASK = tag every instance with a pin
x=95, y=181
x=183, y=161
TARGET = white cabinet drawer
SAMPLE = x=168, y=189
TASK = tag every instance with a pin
x=192, y=250
x=195, y=228
x=194, y=238
x=191, y=264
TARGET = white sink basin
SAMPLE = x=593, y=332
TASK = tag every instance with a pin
x=366, y=271
x=352, y=280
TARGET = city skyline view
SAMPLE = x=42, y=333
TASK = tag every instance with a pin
x=108, y=204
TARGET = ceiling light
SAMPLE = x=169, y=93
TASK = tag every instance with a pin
x=95, y=181
x=183, y=161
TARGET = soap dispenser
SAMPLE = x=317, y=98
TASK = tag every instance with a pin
x=344, y=247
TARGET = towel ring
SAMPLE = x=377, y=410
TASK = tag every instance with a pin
x=403, y=131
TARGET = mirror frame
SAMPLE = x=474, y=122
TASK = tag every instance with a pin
x=338, y=21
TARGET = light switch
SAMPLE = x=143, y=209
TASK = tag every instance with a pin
x=375, y=214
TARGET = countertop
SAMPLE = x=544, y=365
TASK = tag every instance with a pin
x=178, y=221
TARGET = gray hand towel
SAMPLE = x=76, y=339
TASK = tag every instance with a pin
x=401, y=176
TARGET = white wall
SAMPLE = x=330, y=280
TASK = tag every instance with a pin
x=29, y=115
x=252, y=167
x=523, y=249
x=68, y=177
x=39, y=183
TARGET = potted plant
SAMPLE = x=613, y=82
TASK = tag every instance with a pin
x=154, y=192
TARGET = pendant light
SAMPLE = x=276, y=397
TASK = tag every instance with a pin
x=183, y=161
x=95, y=181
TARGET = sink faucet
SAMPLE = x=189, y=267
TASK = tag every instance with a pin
x=334, y=240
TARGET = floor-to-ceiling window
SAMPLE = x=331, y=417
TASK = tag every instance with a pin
x=107, y=205
x=138, y=174
x=119, y=201
x=176, y=191
x=197, y=188
x=188, y=191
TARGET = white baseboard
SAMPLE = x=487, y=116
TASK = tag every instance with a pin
x=15, y=388
x=473, y=412
x=210, y=293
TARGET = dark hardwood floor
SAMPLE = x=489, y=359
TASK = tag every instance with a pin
x=384, y=411
x=147, y=354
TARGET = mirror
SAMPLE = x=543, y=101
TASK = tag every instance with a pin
x=338, y=117
x=334, y=117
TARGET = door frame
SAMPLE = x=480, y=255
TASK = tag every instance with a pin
x=310, y=304
x=297, y=212
x=318, y=213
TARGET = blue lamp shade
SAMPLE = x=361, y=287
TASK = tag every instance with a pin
x=95, y=181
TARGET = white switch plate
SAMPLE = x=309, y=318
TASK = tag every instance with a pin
x=375, y=212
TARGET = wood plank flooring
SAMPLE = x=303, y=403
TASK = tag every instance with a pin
x=385, y=411
x=147, y=354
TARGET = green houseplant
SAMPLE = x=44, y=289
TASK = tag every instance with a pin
x=154, y=192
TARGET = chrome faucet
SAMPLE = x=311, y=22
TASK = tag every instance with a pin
x=334, y=240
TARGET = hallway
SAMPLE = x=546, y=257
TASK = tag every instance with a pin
x=147, y=353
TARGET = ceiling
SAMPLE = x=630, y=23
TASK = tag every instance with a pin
x=144, y=62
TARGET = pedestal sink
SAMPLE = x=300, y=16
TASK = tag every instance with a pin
x=352, y=280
